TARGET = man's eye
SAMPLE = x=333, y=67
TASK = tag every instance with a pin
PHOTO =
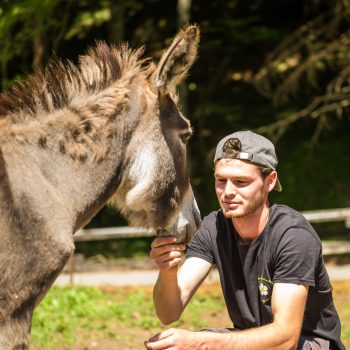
x=221, y=181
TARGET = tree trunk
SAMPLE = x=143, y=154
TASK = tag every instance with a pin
x=116, y=24
x=3, y=73
x=183, y=17
x=38, y=51
x=183, y=11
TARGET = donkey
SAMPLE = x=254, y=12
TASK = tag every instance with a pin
x=73, y=138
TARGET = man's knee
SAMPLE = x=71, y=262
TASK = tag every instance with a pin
x=313, y=343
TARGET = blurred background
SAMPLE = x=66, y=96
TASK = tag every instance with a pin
x=281, y=68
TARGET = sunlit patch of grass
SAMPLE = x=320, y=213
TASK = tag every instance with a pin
x=66, y=310
x=69, y=315
x=341, y=293
x=203, y=310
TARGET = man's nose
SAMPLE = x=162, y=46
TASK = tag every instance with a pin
x=230, y=190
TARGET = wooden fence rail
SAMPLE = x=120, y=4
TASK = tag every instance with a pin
x=329, y=215
x=101, y=234
x=314, y=216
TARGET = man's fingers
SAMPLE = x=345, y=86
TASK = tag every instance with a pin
x=161, y=344
x=165, y=253
x=169, y=264
x=159, y=241
x=160, y=341
x=168, y=256
x=155, y=252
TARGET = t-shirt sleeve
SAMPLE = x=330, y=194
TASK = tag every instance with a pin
x=297, y=257
x=200, y=245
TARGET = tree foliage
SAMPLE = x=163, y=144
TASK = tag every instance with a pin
x=312, y=62
x=300, y=92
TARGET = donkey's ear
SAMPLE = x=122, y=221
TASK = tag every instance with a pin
x=177, y=60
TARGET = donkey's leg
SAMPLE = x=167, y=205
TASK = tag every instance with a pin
x=36, y=240
x=14, y=330
x=28, y=268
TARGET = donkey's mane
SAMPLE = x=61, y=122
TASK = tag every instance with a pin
x=53, y=88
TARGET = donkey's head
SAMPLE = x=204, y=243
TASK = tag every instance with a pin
x=155, y=189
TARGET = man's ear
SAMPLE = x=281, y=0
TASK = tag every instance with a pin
x=270, y=181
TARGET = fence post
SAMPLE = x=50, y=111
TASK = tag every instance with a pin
x=71, y=267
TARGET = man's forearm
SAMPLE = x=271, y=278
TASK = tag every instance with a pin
x=167, y=296
x=288, y=305
x=272, y=337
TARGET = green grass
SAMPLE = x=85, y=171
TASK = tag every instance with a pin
x=64, y=310
x=68, y=312
x=68, y=315
x=342, y=302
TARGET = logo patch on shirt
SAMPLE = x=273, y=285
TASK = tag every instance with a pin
x=265, y=289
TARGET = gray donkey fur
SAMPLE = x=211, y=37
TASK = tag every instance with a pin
x=73, y=138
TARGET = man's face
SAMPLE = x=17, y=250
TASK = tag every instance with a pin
x=240, y=188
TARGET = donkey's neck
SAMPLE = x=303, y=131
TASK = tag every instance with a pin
x=60, y=129
x=55, y=176
x=72, y=163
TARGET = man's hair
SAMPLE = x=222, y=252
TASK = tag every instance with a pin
x=233, y=147
x=264, y=171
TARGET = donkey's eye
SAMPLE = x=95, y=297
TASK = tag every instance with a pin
x=185, y=136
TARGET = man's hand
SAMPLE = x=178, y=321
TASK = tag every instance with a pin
x=166, y=253
x=175, y=339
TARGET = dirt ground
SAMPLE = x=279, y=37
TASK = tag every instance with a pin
x=125, y=341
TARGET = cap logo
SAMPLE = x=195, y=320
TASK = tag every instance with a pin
x=245, y=155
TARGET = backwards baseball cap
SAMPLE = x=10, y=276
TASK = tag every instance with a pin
x=254, y=148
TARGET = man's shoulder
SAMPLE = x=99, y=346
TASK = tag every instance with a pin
x=286, y=220
x=281, y=212
x=214, y=222
x=213, y=216
x=284, y=209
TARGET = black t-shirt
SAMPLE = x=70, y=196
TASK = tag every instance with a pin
x=288, y=250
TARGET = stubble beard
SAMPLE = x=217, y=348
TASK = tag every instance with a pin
x=247, y=211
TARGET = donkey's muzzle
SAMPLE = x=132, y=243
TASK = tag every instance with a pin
x=187, y=222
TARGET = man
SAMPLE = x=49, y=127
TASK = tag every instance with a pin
x=268, y=256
